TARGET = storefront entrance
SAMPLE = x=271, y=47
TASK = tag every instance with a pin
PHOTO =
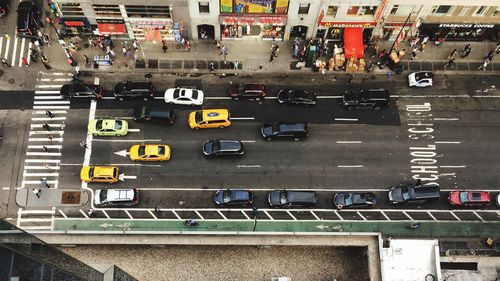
x=461, y=31
x=267, y=28
x=206, y=31
x=299, y=31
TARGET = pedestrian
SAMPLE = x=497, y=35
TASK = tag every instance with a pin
x=389, y=74
x=136, y=56
x=466, y=51
x=46, y=39
x=36, y=191
x=44, y=183
x=157, y=209
x=271, y=58
x=450, y=63
x=49, y=114
x=86, y=59
x=128, y=54
x=414, y=53
x=46, y=149
x=224, y=52
x=112, y=53
x=452, y=54
x=497, y=48
x=401, y=54
x=25, y=62
x=484, y=65
x=164, y=47
x=490, y=55
x=350, y=78
x=83, y=145
x=50, y=138
x=90, y=212
x=135, y=45
x=7, y=36
x=47, y=167
x=186, y=45
x=5, y=63
x=211, y=66
x=422, y=46
x=124, y=51
x=33, y=58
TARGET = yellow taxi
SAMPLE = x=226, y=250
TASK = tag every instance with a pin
x=209, y=118
x=107, y=174
x=150, y=152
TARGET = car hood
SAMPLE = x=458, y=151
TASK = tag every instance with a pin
x=396, y=194
x=97, y=197
x=91, y=126
x=234, y=89
x=208, y=148
x=169, y=94
x=454, y=197
x=274, y=198
x=411, y=79
x=267, y=130
x=218, y=197
x=339, y=199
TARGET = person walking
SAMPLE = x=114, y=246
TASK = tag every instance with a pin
x=50, y=138
x=271, y=58
x=25, y=62
x=136, y=56
x=490, y=55
x=157, y=209
x=401, y=54
x=46, y=149
x=414, y=53
x=86, y=59
x=46, y=127
x=90, y=212
x=484, y=65
x=164, y=46
x=466, y=51
x=211, y=66
x=5, y=63
x=135, y=44
x=452, y=54
x=44, y=183
x=422, y=47
x=49, y=114
x=36, y=191
x=450, y=63
x=497, y=48
x=83, y=145
x=389, y=74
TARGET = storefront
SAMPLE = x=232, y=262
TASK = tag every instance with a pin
x=461, y=31
x=335, y=30
x=393, y=29
x=74, y=26
x=262, y=26
x=115, y=27
x=152, y=30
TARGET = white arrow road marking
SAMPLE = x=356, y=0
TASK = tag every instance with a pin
x=123, y=153
x=134, y=130
x=123, y=177
x=47, y=92
x=106, y=225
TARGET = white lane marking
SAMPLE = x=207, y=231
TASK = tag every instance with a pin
x=329, y=97
x=7, y=49
x=242, y=118
x=248, y=141
x=452, y=166
x=78, y=164
x=57, y=73
x=217, y=98
x=147, y=140
x=125, y=117
x=46, y=92
x=359, y=214
x=346, y=119
x=6, y=187
x=248, y=166
x=106, y=214
x=420, y=124
x=33, y=126
x=46, y=132
x=153, y=215
x=477, y=215
x=134, y=130
x=48, y=86
x=448, y=142
x=47, y=118
x=46, y=139
x=40, y=174
x=42, y=161
x=108, y=98
x=451, y=212
x=53, y=111
x=51, y=102
x=51, y=107
x=348, y=142
x=38, y=182
x=271, y=98
x=48, y=97
x=42, y=167
x=62, y=213
x=445, y=119
x=29, y=51
x=350, y=166
x=434, y=96
x=43, y=153
x=88, y=140
x=13, y=62
x=48, y=146
x=23, y=41
x=61, y=79
x=432, y=216
x=84, y=214
x=1, y=45
x=129, y=215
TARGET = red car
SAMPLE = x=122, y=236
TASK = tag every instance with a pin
x=247, y=91
x=462, y=198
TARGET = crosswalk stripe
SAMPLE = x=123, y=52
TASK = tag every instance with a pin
x=54, y=112
x=29, y=52
x=48, y=118
x=46, y=139
x=1, y=46
x=43, y=153
x=51, y=125
x=48, y=86
x=7, y=49
x=41, y=174
x=38, y=182
x=46, y=132
x=48, y=97
x=48, y=146
x=51, y=107
x=42, y=160
x=14, y=52
x=42, y=167
x=46, y=92
x=51, y=102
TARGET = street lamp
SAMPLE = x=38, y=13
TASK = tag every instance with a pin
x=254, y=209
x=399, y=34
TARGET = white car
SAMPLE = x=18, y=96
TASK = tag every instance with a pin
x=184, y=96
x=420, y=79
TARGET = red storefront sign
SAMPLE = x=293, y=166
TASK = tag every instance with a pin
x=397, y=24
x=348, y=24
x=380, y=9
x=251, y=20
x=73, y=23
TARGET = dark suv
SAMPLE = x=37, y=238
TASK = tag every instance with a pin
x=154, y=114
x=366, y=99
x=247, y=91
x=223, y=148
x=134, y=89
x=278, y=130
x=413, y=193
x=81, y=91
x=292, y=198
x=233, y=197
x=27, y=17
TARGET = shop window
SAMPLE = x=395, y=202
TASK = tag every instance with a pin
x=204, y=7
x=481, y=11
x=353, y=10
x=496, y=13
x=71, y=9
x=108, y=11
x=304, y=8
x=148, y=11
x=464, y=12
x=402, y=10
x=332, y=11
x=441, y=10
x=367, y=10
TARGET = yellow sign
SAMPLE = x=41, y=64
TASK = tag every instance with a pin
x=226, y=6
x=281, y=7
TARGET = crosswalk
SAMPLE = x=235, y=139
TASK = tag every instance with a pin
x=13, y=49
x=44, y=150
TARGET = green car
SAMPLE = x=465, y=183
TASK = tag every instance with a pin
x=108, y=127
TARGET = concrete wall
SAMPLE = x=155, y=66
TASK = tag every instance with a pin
x=198, y=18
x=308, y=20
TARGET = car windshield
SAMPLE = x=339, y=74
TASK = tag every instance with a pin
x=103, y=196
x=98, y=125
x=161, y=150
x=347, y=199
x=118, y=125
x=242, y=87
x=422, y=75
x=464, y=197
x=177, y=93
x=226, y=196
x=142, y=150
x=276, y=127
x=216, y=146
x=406, y=193
x=194, y=95
x=283, y=198
x=91, y=172
x=198, y=116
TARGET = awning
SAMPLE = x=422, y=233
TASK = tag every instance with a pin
x=73, y=23
x=111, y=28
x=353, y=42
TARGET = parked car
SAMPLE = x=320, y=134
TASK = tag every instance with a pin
x=81, y=91
x=149, y=152
x=184, y=96
x=249, y=91
x=106, y=174
x=134, y=89
x=108, y=127
x=116, y=197
x=154, y=114
x=279, y=130
x=27, y=18
x=297, y=97
x=420, y=79
x=463, y=198
x=365, y=99
x=4, y=7
x=291, y=198
x=223, y=148
x=233, y=198
x=413, y=193
x=354, y=200
x=209, y=118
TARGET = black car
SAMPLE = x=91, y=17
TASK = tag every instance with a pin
x=223, y=148
x=279, y=130
x=233, y=197
x=249, y=91
x=27, y=17
x=292, y=198
x=413, y=193
x=154, y=114
x=81, y=91
x=134, y=89
x=4, y=7
x=297, y=97
x=354, y=200
x=366, y=99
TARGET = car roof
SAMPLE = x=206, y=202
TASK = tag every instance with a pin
x=216, y=114
x=104, y=170
x=125, y=194
x=301, y=196
x=240, y=195
x=229, y=145
x=108, y=123
x=362, y=197
x=293, y=126
x=423, y=75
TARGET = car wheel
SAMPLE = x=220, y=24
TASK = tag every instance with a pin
x=222, y=127
x=280, y=102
